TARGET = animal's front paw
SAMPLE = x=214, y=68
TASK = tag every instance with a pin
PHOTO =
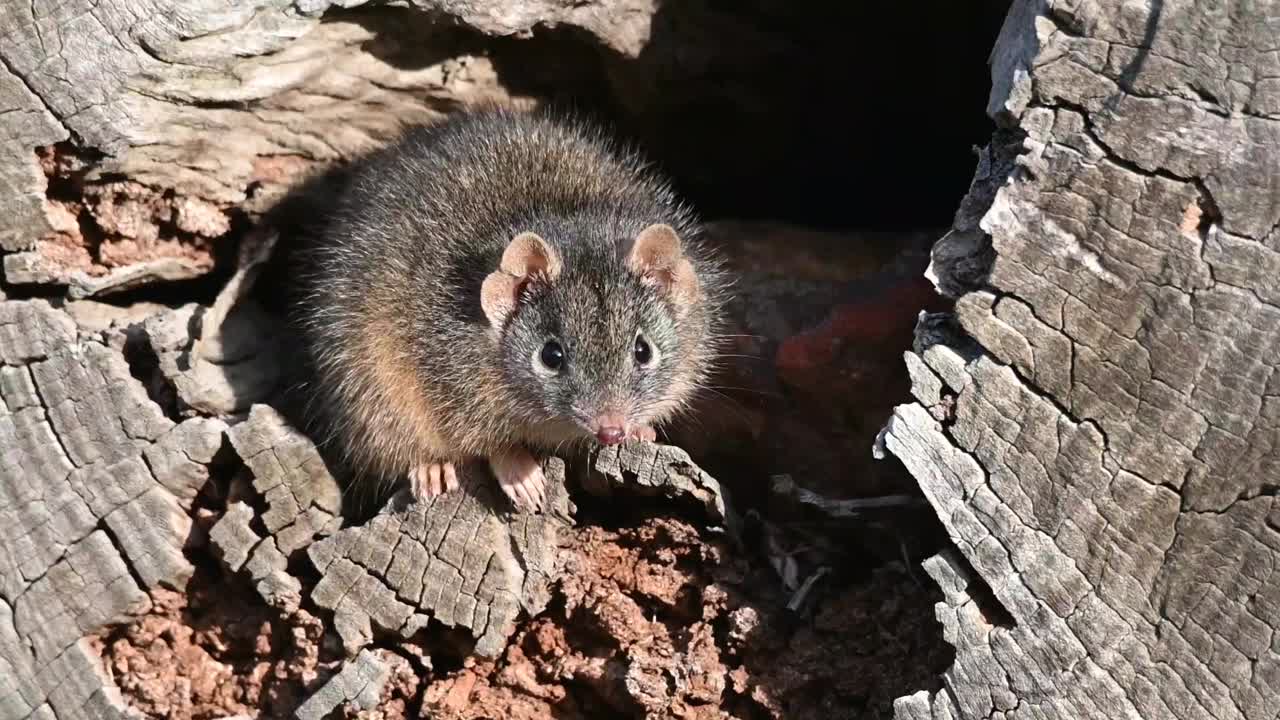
x=520, y=477
x=645, y=433
x=430, y=480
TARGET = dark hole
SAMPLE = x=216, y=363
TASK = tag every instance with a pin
x=828, y=114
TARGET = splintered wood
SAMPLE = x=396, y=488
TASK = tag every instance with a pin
x=1105, y=457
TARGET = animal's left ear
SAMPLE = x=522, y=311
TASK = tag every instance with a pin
x=527, y=258
x=656, y=256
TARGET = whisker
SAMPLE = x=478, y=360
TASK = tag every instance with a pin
x=762, y=393
x=734, y=406
x=699, y=423
x=559, y=446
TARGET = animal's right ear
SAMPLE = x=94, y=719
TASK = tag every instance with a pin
x=657, y=257
x=528, y=258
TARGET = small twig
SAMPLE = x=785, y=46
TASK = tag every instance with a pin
x=784, y=485
x=800, y=596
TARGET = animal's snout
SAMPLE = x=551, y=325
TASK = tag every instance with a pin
x=611, y=435
x=611, y=428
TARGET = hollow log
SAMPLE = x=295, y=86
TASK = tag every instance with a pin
x=1097, y=423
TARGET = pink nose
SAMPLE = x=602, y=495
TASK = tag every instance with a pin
x=611, y=435
x=611, y=428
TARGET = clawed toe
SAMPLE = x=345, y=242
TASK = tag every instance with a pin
x=519, y=475
x=430, y=480
x=521, y=479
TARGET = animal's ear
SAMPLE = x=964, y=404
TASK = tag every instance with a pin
x=656, y=256
x=527, y=258
x=528, y=255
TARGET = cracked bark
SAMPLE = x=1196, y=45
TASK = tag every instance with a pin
x=148, y=83
x=88, y=524
x=1106, y=460
x=457, y=559
x=359, y=683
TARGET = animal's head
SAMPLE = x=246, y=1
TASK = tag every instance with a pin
x=611, y=345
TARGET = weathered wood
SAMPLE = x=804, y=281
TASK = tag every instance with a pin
x=95, y=509
x=1108, y=461
x=460, y=559
x=658, y=469
x=151, y=84
x=95, y=483
x=240, y=547
x=303, y=500
x=359, y=683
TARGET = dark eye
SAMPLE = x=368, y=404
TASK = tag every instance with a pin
x=552, y=355
x=643, y=352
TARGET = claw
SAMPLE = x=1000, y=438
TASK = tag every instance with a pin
x=521, y=479
x=430, y=480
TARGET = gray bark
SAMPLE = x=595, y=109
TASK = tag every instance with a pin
x=1105, y=457
x=359, y=683
x=151, y=84
x=454, y=559
x=658, y=470
x=94, y=502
